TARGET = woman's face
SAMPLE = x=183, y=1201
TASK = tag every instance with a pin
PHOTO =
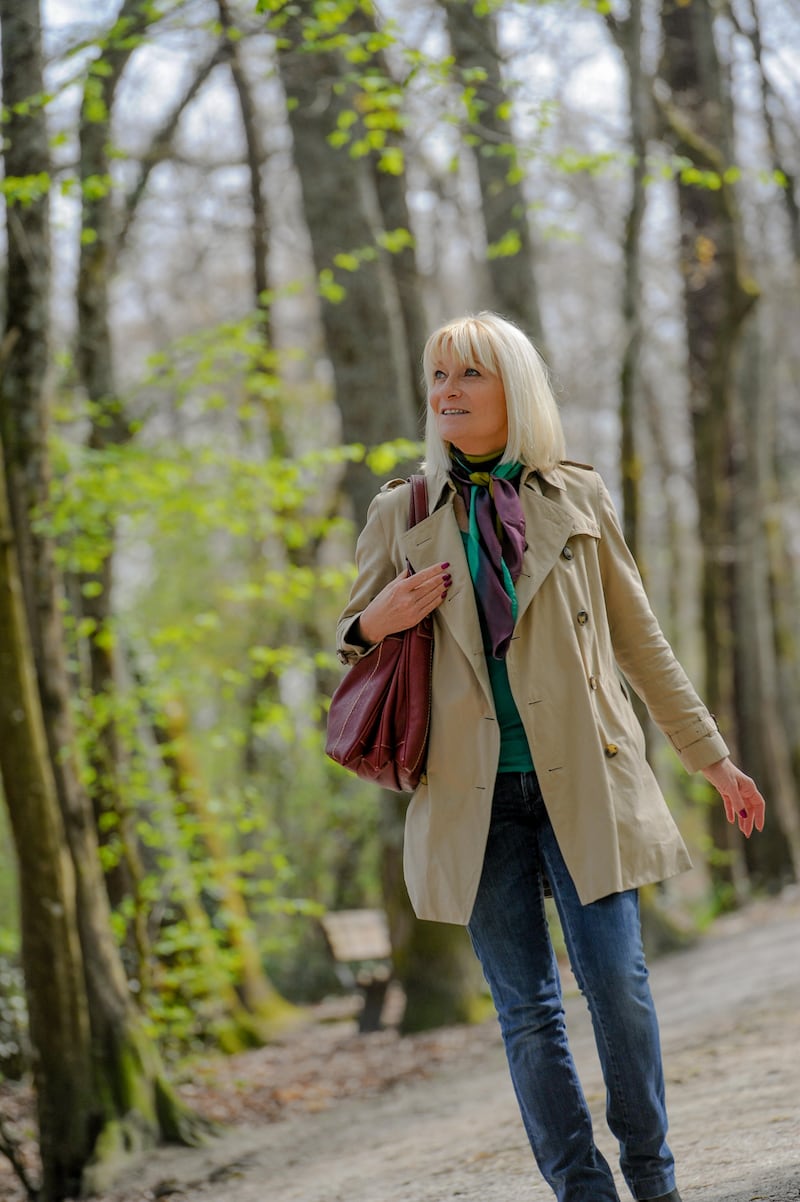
x=469, y=404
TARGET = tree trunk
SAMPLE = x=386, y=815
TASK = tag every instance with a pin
x=770, y=112
x=628, y=35
x=108, y=427
x=270, y=1013
x=774, y=858
x=259, y=225
x=718, y=295
x=473, y=36
x=51, y=955
x=361, y=312
x=391, y=193
x=365, y=339
x=132, y=1104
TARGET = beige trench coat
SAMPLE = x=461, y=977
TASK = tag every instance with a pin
x=582, y=611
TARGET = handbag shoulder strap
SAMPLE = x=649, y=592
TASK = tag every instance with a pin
x=418, y=506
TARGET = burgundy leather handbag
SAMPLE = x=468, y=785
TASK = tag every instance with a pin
x=380, y=712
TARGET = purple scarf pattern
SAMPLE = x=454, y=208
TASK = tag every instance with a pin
x=496, y=542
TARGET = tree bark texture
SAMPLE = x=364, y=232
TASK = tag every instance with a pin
x=391, y=192
x=774, y=859
x=51, y=954
x=473, y=37
x=127, y=1073
x=363, y=327
x=718, y=295
x=628, y=36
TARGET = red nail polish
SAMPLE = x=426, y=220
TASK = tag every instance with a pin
x=446, y=565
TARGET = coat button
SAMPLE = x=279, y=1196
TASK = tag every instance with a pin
x=582, y=617
x=592, y=682
x=611, y=750
x=567, y=553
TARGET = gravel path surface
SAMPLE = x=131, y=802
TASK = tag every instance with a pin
x=730, y=1020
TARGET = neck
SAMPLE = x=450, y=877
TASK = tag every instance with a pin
x=484, y=458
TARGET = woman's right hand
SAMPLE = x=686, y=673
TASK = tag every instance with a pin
x=405, y=601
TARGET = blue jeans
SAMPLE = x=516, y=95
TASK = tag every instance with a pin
x=509, y=932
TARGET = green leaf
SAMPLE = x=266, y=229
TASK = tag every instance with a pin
x=392, y=160
x=507, y=246
x=347, y=262
x=329, y=289
x=396, y=241
x=25, y=190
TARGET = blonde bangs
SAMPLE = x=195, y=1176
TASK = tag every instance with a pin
x=467, y=340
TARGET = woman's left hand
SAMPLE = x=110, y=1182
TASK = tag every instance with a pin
x=743, y=802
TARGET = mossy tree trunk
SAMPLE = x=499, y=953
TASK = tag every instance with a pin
x=131, y=1103
x=51, y=953
x=108, y=426
x=250, y=1017
x=266, y=1011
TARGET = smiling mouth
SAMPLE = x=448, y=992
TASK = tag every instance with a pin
x=451, y=412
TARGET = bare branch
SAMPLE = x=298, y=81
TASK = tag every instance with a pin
x=161, y=144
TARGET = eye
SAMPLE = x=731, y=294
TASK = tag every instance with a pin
x=471, y=371
x=438, y=374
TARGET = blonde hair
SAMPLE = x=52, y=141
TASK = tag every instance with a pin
x=535, y=434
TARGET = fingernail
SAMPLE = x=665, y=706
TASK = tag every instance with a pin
x=446, y=565
x=448, y=579
x=444, y=594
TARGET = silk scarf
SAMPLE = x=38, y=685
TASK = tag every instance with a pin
x=495, y=539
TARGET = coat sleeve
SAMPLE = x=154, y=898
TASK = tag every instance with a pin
x=375, y=568
x=645, y=656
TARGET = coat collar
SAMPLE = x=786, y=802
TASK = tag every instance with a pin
x=439, y=482
x=437, y=539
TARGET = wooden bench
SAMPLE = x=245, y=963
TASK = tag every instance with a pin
x=362, y=952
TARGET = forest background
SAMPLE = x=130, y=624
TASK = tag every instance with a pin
x=229, y=227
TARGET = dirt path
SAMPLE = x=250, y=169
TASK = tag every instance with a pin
x=730, y=1019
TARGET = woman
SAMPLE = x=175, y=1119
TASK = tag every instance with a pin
x=536, y=770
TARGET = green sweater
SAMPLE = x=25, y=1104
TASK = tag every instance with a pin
x=515, y=755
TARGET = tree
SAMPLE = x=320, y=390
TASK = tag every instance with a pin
x=628, y=37
x=365, y=337
x=765, y=615
x=130, y=1103
x=361, y=313
x=719, y=296
x=51, y=953
x=258, y=1008
x=473, y=34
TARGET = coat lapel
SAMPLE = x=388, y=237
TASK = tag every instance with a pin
x=547, y=528
x=438, y=539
